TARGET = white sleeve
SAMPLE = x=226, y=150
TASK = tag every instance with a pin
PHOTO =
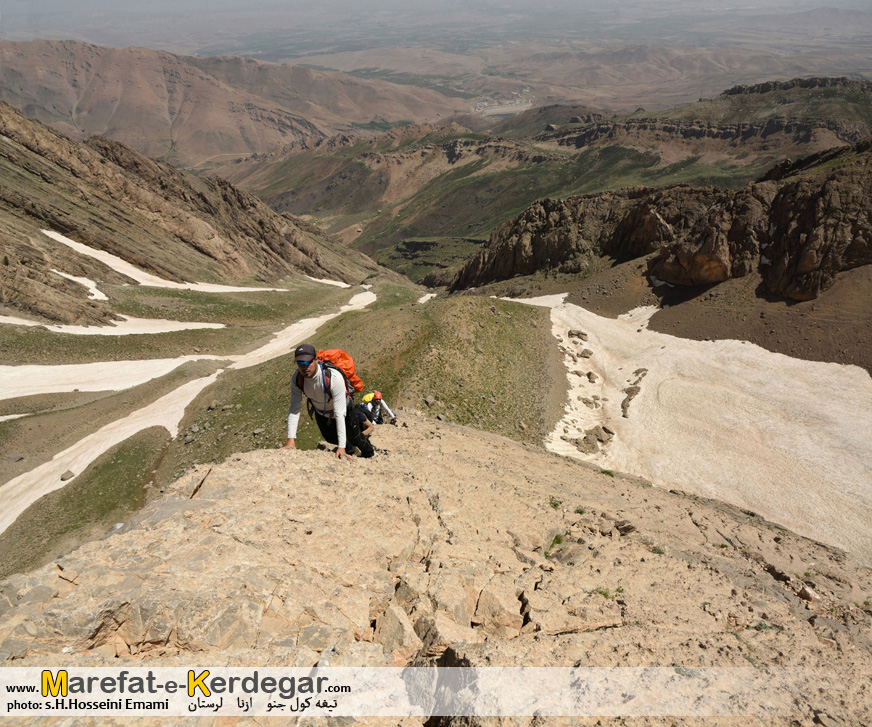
x=294, y=408
x=340, y=406
x=387, y=409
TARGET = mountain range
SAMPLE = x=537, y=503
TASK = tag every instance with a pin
x=739, y=219
x=421, y=198
x=191, y=110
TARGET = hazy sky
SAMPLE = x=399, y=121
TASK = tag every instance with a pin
x=229, y=25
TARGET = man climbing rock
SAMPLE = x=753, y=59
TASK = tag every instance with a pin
x=325, y=388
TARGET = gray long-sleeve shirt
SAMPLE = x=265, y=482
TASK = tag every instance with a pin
x=334, y=405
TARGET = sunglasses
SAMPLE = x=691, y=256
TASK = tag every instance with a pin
x=303, y=364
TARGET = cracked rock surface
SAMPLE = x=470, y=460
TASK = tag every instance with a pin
x=451, y=547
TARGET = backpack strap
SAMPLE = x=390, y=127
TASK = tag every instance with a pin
x=325, y=383
x=325, y=378
x=326, y=368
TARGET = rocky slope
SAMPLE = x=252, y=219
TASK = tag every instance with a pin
x=451, y=547
x=188, y=110
x=168, y=222
x=799, y=232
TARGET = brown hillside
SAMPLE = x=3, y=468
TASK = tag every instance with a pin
x=170, y=223
x=190, y=110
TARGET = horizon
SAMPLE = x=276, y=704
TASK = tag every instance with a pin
x=295, y=29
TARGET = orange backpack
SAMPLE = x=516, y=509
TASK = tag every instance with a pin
x=342, y=361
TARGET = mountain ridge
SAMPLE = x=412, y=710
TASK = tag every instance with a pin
x=168, y=222
x=398, y=186
x=801, y=233
x=187, y=109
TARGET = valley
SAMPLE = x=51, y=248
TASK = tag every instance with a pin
x=445, y=188
x=414, y=175
x=617, y=289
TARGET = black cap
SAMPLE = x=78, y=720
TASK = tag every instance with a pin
x=304, y=352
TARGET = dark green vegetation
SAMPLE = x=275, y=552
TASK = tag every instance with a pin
x=380, y=125
x=20, y=345
x=109, y=491
x=417, y=258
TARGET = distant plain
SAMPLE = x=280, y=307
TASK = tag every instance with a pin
x=618, y=55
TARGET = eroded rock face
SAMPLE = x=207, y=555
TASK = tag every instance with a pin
x=817, y=230
x=491, y=553
x=798, y=231
x=724, y=242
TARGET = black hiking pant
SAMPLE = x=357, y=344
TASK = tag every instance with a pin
x=353, y=436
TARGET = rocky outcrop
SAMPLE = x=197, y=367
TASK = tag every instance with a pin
x=814, y=82
x=494, y=553
x=748, y=134
x=724, y=242
x=819, y=229
x=799, y=231
x=799, y=236
x=565, y=234
x=745, y=134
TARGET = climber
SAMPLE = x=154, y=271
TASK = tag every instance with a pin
x=326, y=389
x=375, y=403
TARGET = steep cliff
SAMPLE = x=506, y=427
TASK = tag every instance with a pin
x=799, y=231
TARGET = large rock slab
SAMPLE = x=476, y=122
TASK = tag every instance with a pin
x=289, y=557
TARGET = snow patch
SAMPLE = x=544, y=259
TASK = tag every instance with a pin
x=93, y=292
x=142, y=277
x=337, y=283
x=126, y=327
x=788, y=439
